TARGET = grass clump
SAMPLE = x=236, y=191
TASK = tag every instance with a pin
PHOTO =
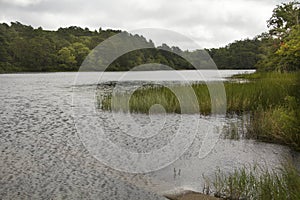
x=256, y=183
x=280, y=124
x=143, y=99
x=263, y=91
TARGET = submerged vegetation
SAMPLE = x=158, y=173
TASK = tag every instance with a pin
x=255, y=183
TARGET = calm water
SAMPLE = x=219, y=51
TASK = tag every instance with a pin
x=42, y=155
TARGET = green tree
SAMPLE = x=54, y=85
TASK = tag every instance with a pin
x=67, y=58
x=284, y=17
x=80, y=51
x=289, y=51
x=281, y=50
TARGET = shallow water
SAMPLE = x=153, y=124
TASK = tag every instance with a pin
x=43, y=154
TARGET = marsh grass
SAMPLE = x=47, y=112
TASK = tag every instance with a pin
x=231, y=131
x=255, y=183
x=262, y=92
x=270, y=99
x=279, y=125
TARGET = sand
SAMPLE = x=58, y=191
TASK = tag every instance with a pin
x=189, y=195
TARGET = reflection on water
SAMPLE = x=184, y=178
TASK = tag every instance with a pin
x=41, y=155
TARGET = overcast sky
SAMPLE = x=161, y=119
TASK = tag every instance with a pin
x=211, y=23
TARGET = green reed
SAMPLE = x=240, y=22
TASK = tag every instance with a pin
x=256, y=183
x=262, y=93
x=270, y=99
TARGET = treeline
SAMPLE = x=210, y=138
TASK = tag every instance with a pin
x=26, y=49
x=276, y=50
x=242, y=54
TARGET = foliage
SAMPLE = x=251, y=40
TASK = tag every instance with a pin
x=284, y=17
x=281, y=51
x=23, y=48
x=289, y=51
x=242, y=54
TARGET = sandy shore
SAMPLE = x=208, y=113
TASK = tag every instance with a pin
x=190, y=195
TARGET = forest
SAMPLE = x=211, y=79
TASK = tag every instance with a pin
x=27, y=49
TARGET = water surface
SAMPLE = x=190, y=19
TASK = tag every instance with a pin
x=42, y=155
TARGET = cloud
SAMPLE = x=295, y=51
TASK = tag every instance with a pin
x=21, y=2
x=211, y=23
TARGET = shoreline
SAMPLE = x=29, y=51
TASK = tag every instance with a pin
x=190, y=195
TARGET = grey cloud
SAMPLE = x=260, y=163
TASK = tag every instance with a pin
x=211, y=23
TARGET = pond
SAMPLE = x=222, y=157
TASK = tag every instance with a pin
x=46, y=151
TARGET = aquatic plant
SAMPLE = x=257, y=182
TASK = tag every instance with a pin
x=257, y=183
x=262, y=91
x=271, y=100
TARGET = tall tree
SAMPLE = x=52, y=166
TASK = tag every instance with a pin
x=289, y=51
x=284, y=17
x=281, y=52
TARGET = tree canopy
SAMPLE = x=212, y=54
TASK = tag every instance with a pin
x=284, y=18
x=27, y=49
x=281, y=51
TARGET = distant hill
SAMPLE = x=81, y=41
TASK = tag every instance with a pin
x=26, y=49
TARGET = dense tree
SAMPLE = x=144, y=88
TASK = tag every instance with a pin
x=284, y=17
x=242, y=54
x=281, y=51
x=80, y=51
x=67, y=58
x=289, y=51
x=23, y=48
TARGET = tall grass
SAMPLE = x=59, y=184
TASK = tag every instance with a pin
x=280, y=124
x=263, y=92
x=270, y=99
x=256, y=183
